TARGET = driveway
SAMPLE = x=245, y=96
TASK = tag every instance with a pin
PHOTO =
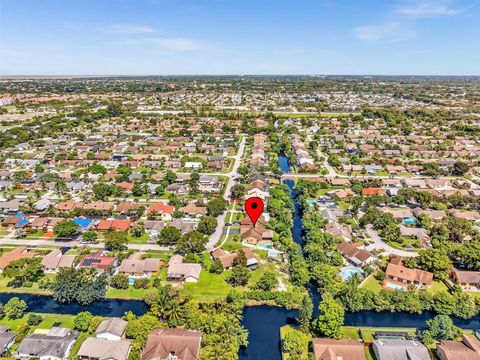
x=378, y=244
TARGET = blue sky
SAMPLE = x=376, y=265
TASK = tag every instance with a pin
x=138, y=37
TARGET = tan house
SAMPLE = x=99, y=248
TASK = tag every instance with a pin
x=178, y=344
x=56, y=260
x=330, y=349
x=15, y=254
x=138, y=267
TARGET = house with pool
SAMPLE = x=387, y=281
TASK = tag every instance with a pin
x=399, y=277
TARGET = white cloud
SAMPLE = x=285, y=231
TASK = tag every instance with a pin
x=428, y=8
x=129, y=29
x=389, y=31
x=172, y=44
x=178, y=44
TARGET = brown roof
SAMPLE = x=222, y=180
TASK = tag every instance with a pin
x=15, y=254
x=330, y=349
x=55, y=259
x=467, y=277
x=412, y=275
x=139, y=266
x=180, y=342
x=467, y=349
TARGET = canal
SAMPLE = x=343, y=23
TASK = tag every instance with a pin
x=262, y=322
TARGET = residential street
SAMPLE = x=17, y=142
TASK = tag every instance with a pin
x=216, y=236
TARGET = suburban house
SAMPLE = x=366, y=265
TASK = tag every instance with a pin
x=99, y=261
x=111, y=329
x=356, y=254
x=56, y=260
x=467, y=349
x=386, y=349
x=15, y=254
x=400, y=277
x=228, y=259
x=180, y=271
x=7, y=339
x=467, y=280
x=138, y=267
x=181, y=344
x=105, y=225
x=164, y=211
x=337, y=349
x=102, y=349
x=55, y=345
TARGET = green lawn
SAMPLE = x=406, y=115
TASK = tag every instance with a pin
x=437, y=286
x=372, y=284
x=284, y=330
x=137, y=240
x=130, y=293
x=50, y=319
x=210, y=287
x=34, y=289
x=350, y=332
x=76, y=347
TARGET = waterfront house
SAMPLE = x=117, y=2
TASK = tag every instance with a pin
x=400, y=277
x=467, y=280
x=15, y=254
x=401, y=349
x=181, y=344
x=180, y=271
x=467, y=349
x=7, y=339
x=103, y=349
x=55, y=345
x=56, y=260
x=99, y=261
x=111, y=329
x=327, y=349
x=138, y=267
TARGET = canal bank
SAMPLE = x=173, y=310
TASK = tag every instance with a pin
x=264, y=322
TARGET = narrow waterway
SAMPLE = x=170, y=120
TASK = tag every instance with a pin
x=264, y=322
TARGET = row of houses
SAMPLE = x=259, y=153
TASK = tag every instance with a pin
x=402, y=347
x=109, y=342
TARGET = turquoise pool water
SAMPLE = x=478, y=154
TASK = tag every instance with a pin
x=409, y=221
x=394, y=286
x=348, y=272
x=266, y=246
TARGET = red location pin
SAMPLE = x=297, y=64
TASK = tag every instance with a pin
x=254, y=208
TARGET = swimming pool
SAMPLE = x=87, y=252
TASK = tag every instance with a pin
x=409, y=221
x=394, y=286
x=267, y=246
x=347, y=272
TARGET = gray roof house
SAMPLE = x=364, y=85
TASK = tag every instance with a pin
x=55, y=345
x=102, y=349
x=111, y=329
x=399, y=350
x=7, y=338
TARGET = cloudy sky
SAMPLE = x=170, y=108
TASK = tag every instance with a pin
x=139, y=37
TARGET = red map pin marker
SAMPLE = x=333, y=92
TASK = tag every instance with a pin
x=254, y=208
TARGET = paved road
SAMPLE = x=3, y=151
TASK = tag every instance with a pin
x=378, y=244
x=7, y=240
x=326, y=165
x=216, y=236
